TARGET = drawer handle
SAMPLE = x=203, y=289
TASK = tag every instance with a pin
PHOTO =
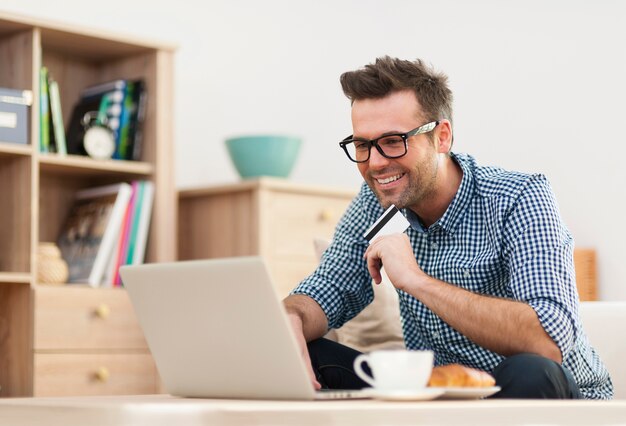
x=326, y=215
x=103, y=311
x=102, y=374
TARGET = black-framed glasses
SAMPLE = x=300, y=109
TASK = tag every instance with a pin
x=389, y=146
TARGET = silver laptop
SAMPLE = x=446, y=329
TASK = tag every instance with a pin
x=217, y=329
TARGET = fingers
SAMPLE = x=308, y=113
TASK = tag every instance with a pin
x=396, y=253
x=307, y=360
x=374, y=263
x=373, y=266
x=296, y=326
x=304, y=353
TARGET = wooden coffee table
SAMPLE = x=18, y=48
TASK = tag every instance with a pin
x=166, y=410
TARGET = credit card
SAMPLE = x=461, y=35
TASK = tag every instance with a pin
x=391, y=222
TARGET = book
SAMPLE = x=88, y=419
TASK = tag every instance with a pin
x=57, y=117
x=127, y=230
x=44, y=112
x=120, y=241
x=102, y=88
x=89, y=234
x=141, y=239
x=110, y=113
x=131, y=242
x=138, y=113
x=121, y=151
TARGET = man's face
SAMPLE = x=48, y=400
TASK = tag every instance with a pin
x=404, y=181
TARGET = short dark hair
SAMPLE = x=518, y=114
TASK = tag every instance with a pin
x=388, y=75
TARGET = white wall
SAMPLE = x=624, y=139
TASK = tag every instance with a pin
x=539, y=86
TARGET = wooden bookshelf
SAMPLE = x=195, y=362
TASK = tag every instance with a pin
x=44, y=327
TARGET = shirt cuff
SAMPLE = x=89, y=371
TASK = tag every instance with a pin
x=557, y=322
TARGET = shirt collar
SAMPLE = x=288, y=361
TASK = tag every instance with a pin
x=451, y=219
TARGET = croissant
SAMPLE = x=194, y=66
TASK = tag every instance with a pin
x=456, y=375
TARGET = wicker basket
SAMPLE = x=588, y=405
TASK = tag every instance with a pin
x=51, y=268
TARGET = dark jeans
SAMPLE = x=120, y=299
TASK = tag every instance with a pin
x=519, y=376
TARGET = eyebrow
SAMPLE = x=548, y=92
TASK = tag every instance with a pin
x=392, y=132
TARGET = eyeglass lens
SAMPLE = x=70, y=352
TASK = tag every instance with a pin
x=391, y=146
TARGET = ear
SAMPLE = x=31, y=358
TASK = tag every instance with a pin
x=443, y=134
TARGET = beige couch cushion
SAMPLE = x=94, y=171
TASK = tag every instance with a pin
x=603, y=322
x=378, y=325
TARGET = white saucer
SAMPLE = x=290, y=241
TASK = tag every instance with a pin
x=419, y=395
x=468, y=393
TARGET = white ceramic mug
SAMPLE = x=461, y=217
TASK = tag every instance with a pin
x=396, y=370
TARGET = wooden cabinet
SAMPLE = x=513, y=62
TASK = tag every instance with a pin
x=279, y=220
x=273, y=218
x=72, y=339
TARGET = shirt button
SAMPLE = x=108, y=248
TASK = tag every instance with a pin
x=467, y=273
x=434, y=245
x=435, y=335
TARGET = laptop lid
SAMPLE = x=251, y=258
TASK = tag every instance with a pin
x=217, y=329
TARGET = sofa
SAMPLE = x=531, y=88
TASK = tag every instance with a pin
x=601, y=322
x=378, y=327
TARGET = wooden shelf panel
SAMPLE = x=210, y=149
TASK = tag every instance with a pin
x=15, y=277
x=79, y=165
x=14, y=149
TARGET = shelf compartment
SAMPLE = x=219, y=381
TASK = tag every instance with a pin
x=17, y=58
x=58, y=188
x=15, y=214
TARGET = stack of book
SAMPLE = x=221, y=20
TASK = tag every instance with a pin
x=51, y=130
x=119, y=105
x=123, y=103
x=107, y=227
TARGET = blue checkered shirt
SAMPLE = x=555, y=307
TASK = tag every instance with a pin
x=503, y=236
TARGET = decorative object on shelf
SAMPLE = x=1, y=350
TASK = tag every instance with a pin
x=263, y=155
x=99, y=139
x=51, y=269
x=14, y=115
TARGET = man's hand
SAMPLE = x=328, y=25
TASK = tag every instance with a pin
x=296, y=327
x=308, y=322
x=395, y=252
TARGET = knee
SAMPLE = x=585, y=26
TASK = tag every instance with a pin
x=534, y=367
x=533, y=376
x=319, y=346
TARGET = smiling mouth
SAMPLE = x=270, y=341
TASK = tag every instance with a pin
x=389, y=179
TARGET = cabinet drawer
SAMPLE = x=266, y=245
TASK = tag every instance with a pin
x=287, y=274
x=294, y=220
x=94, y=374
x=85, y=318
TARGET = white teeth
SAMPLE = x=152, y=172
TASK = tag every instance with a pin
x=389, y=179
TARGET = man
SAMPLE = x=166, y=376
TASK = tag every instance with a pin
x=484, y=274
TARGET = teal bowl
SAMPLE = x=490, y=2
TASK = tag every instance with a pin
x=264, y=155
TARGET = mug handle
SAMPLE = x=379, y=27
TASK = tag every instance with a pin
x=358, y=369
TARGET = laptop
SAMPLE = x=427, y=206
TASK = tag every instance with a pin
x=217, y=329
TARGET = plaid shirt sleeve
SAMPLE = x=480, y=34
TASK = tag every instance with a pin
x=341, y=284
x=539, y=253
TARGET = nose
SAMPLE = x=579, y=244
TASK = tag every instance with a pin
x=377, y=161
